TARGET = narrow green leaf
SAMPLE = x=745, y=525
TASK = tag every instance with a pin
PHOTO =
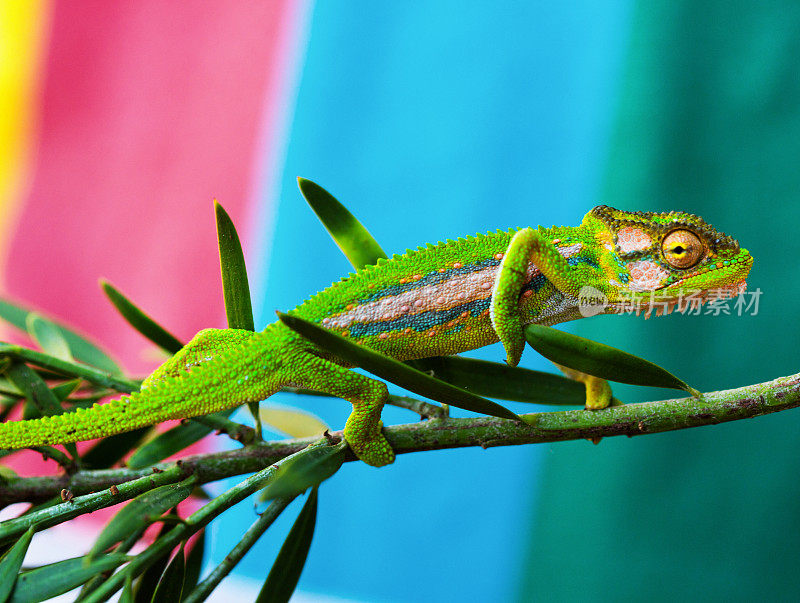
x=235, y=288
x=83, y=349
x=9, y=389
x=7, y=475
x=62, y=391
x=48, y=336
x=293, y=422
x=194, y=563
x=170, y=442
x=32, y=408
x=35, y=389
x=127, y=592
x=139, y=320
x=10, y=563
x=139, y=513
x=148, y=581
x=394, y=371
x=63, y=368
x=14, y=314
x=360, y=248
x=599, y=359
x=39, y=395
x=295, y=475
x=496, y=380
x=56, y=579
x=170, y=587
x=291, y=559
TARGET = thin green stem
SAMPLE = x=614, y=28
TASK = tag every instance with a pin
x=236, y=431
x=628, y=420
x=192, y=524
x=70, y=369
x=54, y=454
x=79, y=505
x=423, y=409
x=253, y=407
x=202, y=590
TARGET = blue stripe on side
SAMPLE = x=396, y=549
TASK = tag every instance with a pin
x=575, y=260
x=419, y=322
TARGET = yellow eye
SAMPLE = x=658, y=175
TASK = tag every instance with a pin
x=682, y=249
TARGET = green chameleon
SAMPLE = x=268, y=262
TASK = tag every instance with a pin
x=440, y=299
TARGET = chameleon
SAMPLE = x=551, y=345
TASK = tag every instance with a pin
x=440, y=299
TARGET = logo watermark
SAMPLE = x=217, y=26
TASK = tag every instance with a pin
x=712, y=302
x=591, y=301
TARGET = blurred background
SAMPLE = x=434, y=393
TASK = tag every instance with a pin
x=120, y=122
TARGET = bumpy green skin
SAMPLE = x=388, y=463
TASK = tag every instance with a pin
x=437, y=300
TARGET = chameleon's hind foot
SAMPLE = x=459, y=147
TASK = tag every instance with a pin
x=363, y=428
x=372, y=448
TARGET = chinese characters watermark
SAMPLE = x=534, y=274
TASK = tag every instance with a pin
x=711, y=302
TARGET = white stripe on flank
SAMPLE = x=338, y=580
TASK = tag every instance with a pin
x=453, y=292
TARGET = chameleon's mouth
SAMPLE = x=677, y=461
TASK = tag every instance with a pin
x=682, y=300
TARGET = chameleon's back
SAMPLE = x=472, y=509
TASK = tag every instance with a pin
x=436, y=300
x=430, y=301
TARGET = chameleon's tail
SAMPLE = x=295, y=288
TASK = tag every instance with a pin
x=125, y=414
x=225, y=372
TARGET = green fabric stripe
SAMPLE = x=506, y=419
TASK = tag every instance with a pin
x=709, y=122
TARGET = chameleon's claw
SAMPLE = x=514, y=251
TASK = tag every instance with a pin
x=598, y=395
x=598, y=391
x=373, y=450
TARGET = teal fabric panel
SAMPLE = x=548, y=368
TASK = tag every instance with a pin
x=708, y=122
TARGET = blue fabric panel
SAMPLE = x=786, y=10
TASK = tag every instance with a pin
x=431, y=121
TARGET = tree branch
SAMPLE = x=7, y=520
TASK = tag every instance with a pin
x=630, y=420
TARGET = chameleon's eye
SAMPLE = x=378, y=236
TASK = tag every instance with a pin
x=682, y=249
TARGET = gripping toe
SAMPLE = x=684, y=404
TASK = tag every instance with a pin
x=373, y=449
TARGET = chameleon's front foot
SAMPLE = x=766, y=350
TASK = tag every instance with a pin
x=598, y=391
x=372, y=448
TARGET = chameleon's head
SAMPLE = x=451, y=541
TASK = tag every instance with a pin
x=668, y=258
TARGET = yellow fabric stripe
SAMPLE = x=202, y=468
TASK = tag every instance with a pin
x=23, y=28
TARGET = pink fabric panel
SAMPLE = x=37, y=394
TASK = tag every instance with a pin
x=149, y=111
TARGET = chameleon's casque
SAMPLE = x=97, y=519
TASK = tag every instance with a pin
x=439, y=299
